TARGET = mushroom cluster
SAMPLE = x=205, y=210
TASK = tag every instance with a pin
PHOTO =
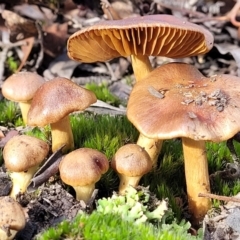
x=140, y=37
x=178, y=101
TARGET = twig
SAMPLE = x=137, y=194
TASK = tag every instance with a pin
x=218, y=197
x=91, y=200
x=109, y=67
x=40, y=39
x=232, y=150
x=12, y=45
x=181, y=9
x=109, y=10
x=230, y=16
x=233, y=13
x=48, y=169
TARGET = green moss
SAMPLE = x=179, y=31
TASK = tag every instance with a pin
x=41, y=133
x=110, y=226
x=217, y=155
x=10, y=113
x=102, y=92
x=102, y=132
x=12, y=64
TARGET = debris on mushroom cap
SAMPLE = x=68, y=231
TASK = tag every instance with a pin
x=193, y=106
x=152, y=35
x=57, y=98
x=23, y=152
x=21, y=86
x=12, y=218
x=131, y=160
x=83, y=166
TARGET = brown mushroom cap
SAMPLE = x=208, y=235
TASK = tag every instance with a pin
x=131, y=160
x=152, y=35
x=178, y=101
x=57, y=98
x=11, y=214
x=83, y=166
x=23, y=152
x=21, y=87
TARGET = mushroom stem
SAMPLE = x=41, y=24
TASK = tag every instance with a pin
x=197, y=177
x=21, y=180
x=62, y=135
x=152, y=147
x=126, y=181
x=141, y=66
x=24, y=107
x=84, y=192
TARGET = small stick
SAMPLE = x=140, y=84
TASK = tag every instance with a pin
x=232, y=150
x=40, y=39
x=218, y=197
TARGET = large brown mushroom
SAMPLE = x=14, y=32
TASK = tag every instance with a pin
x=23, y=155
x=131, y=162
x=12, y=218
x=21, y=87
x=52, y=104
x=81, y=169
x=140, y=37
x=176, y=100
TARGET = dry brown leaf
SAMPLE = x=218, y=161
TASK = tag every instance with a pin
x=26, y=49
x=20, y=28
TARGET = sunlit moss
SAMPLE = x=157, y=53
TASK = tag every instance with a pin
x=102, y=92
x=10, y=113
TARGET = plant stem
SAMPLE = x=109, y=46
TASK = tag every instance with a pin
x=220, y=198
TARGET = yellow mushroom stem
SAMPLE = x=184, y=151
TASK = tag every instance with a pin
x=151, y=146
x=24, y=107
x=21, y=180
x=84, y=192
x=62, y=135
x=197, y=178
x=142, y=67
x=126, y=181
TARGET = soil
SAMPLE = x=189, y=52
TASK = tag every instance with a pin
x=46, y=207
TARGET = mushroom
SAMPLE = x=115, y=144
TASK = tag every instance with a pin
x=12, y=218
x=81, y=169
x=52, y=103
x=21, y=87
x=140, y=37
x=22, y=155
x=176, y=100
x=131, y=162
